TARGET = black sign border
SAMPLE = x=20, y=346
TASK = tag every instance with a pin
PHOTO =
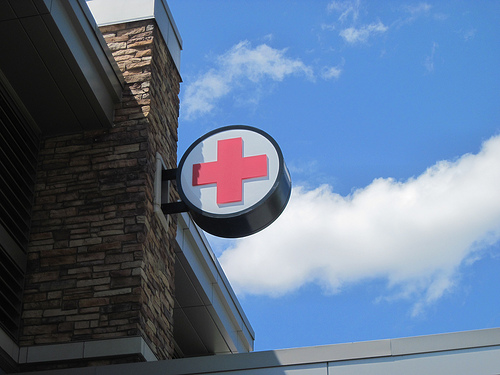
x=252, y=219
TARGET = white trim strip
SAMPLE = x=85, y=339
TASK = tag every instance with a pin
x=86, y=350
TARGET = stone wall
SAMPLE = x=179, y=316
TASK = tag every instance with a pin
x=101, y=264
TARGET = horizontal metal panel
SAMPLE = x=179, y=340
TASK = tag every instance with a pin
x=19, y=143
x=11, y=288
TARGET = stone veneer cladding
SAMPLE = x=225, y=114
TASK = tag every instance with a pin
x=101, y=264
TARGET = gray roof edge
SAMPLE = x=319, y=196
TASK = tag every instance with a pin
x=172, y=21
x=471, y=340
x=446, y=341
x=391, y=347
x=467, y=340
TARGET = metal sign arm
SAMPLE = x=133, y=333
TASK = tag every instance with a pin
x=171, y=207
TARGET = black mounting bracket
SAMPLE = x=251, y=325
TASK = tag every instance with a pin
x=170, y=208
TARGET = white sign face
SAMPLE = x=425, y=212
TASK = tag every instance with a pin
x=229, y=171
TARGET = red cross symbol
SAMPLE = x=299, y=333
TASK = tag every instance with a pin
x=229, y=171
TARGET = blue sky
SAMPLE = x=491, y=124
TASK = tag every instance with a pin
x=388, y=116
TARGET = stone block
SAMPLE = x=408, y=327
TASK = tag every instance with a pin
x=113, y=292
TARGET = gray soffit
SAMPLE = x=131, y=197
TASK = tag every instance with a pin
x=208, y=317
x=57, y=61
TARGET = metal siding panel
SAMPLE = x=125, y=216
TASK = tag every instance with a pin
x=186, y=337
x=310, y=369
x=11, y=247
x=19, y=145
x=10, y=301
x=24, y=8
x=478, y=361
x=482, y=361
x=6, y=11
x=185, y=291
x=207, y=330
x=337, y=352
x=445, y=341
x=372, y=366
x=43, y=6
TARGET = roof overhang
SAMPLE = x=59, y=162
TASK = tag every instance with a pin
x=57, y=61
x=208, y=317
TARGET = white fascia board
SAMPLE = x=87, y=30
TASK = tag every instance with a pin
x=219, y=296
x=86, y=349
x=110, y=12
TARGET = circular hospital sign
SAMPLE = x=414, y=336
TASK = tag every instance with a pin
x=234, y=180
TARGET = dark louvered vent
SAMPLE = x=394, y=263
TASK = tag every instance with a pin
x=19, y=144
x=11, y=284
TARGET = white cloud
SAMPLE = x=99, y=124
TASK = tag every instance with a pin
x=346, y=9
x=418, y=8
x=354, y=35
x=201, y=95
x=240, y=65
x=429, y=60
x=469, y=34
x=332, y=72
x=329, y=27
x=348, y=13
x=415, y=234
x=413, y=12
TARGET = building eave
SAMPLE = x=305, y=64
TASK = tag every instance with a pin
x=59, y=65
x=210, y=319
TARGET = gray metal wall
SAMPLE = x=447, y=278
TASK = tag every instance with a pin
x=461, y=353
